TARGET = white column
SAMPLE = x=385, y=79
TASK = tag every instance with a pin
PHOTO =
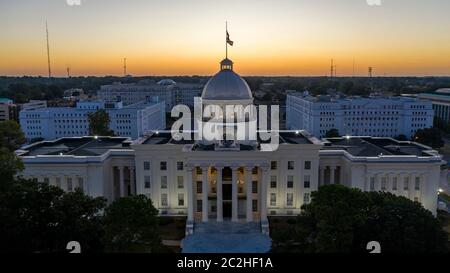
x=205, y=188
x=264, y=183
x=234, y=190
x=190, y=193
x=322, y=176
x=121, y=181
x=332, y=173
x=219, y=195
x=132, y=181
x=248, y=181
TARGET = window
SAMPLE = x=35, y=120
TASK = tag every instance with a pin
x=307, y=182
x=163, y=166
x=180, y=182
x=58, y=182
x=273, y=199
x=164, y=202
x=291, y=165
x=289, y=199
x=290, y=182
x=417, y=184
x=163, y=182
x=199, y=186
x=306, y=198
x=372, y=184
x=254, y=205
x=254, y=186
x=146, y=166
x=273, y=165
x=394, y=183
x=406, y=184
x=180, y=200
x=273, y=182
x=199, y=205
x=69, y=184
x=147, y=182
x=307, y=165
x=383, y=183
x=180, y=166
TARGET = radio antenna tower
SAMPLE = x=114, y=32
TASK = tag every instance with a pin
x=48, y=51
x=68, y=72
x=332, y=69
x=370, y=72
x=124, y=67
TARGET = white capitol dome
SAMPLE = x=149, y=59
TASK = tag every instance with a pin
x=227, y=86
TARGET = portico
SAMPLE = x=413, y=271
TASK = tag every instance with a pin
x=224, y=191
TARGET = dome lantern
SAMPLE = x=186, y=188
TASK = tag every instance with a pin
x=226, y=64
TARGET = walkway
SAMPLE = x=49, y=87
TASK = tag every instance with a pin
x=226, y=237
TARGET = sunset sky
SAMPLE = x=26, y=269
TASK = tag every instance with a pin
x=187, y=37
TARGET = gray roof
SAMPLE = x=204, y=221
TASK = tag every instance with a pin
x=227, y=85
x=374, y=147
x=77, y=146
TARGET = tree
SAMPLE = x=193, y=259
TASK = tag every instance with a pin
x=99, y=123
x=11, y=136
x=37, y=217
x=402, y=226
x=131, y=225
x=342, y=219
x=401, y=138
x=332, y=133
x=431, y=137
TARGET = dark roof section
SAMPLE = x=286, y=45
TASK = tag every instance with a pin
x=78, y=146
x=161, y=138
x=374, y=147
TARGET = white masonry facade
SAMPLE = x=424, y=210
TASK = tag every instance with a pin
x=234, y=180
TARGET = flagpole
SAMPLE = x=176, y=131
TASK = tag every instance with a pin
x=226, y=41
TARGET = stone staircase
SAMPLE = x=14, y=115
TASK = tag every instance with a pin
x=226, y=237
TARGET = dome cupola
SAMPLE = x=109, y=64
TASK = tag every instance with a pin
x=227, y=87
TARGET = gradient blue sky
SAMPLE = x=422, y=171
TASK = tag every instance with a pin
x=272, y=37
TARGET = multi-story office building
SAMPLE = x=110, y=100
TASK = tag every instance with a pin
x=171, y=92
x=132, y=121
x=441, y=102
x=357, y=116
x=8, y=110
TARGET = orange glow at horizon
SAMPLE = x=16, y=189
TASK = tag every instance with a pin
x=272, y=38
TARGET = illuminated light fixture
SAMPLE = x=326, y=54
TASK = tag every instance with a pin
x=297, y=132
x=347, y=137
x=95, y=137
x=440, y=190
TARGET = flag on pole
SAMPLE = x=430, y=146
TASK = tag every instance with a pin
x=229, y=40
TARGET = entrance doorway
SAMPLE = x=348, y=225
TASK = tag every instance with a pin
x=227, y=209
x=226, y=192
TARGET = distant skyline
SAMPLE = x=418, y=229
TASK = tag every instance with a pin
x=272, y=37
